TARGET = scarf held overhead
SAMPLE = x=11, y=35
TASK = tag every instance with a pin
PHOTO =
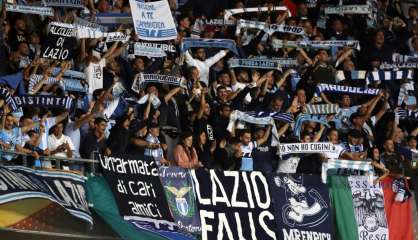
x=230, y=12
x=345, y=89
x=43, y=11
x=142, y=78
x=208, y=43
x=268, y=28
x=242, y=116
x=254, y=63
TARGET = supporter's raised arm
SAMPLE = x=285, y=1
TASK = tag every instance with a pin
x=171, y=94
x=283, y=77
x=345, y=54
x=265, y=137
x=202, y=104
x=373, y=104
x=306, y=57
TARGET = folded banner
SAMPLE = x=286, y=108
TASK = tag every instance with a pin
x=267, y=120
x=153, y=20
x=348, y=9
x=218, y=22
x=297, y=148
x=268, y=28
x=139, y=194
x=66, y=189
x=382, y=75
x=8, y=99
x=86, y=23
x=359, y=208
x=321, y=108
x=208, y=43
x=142, y=78
x=43, y=11
x=401, y=65
x=47, y=101
x=60, y=42
x=65, y=3
x=346, y=164
x=230, y=12
x=253, y=63
x=181, y=198
x=234, y=205
x=330, y=88
x=72, y=85
x=302, y=207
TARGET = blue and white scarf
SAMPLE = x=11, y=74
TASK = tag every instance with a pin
x=400, y=65
x=268, y=28
x=65, y=3
x=69, y=73
x=254, y=63
x=208, y=43
x=218, y=22
x=8, y=99
x=230, y=12
x=43, y=11
x=142, y=79
x=85, y=23
x=382, y=75
x=406, y=113
x=321, y=109
x=322, y=119
x=242, y=116
x=348, y=9
x=279, y=116
x=72, y=85
x=345, y=89
x=113, y=19
x=278, y=43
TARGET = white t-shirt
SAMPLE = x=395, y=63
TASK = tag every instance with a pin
x=94, y=73
x=247, y=162
x=54, y=142
x=75, y=136
x=339, y=149
x=288, y=164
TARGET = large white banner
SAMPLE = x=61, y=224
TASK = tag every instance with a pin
x=153, y=20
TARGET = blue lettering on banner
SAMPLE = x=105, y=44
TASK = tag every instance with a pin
x=155, y=33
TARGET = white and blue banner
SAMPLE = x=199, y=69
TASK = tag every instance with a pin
x=65, y=189
x=153, y=20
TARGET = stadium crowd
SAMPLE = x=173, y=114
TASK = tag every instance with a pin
x=204, y=121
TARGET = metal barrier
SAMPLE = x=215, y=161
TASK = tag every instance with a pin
x=55, y=159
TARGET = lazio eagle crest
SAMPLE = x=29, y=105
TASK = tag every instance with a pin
x=183, y=202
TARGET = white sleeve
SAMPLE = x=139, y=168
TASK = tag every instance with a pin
x=189, y=59
x=212, y=60
x=51, y=122
x=68, y=140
